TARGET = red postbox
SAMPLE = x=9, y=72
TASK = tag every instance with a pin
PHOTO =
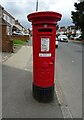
x=44, y=36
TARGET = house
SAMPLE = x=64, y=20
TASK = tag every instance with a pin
x=62, y=30
x=7, y=22
x=9, y=19
x=69, y=31
x=17, y=26
x=78, y=32
x=72, y=30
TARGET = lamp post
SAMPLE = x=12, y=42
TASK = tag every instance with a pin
x=37, y=5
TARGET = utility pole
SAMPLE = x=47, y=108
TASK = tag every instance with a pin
x=80, y=0
x=37, y=5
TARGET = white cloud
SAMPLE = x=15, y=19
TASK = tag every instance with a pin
x=21, y=8
x=63, y=6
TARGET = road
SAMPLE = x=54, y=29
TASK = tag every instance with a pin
x=69, y=75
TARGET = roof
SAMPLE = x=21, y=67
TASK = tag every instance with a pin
x=5, y=22
x=18, y=23
x=14, y=26
x=1, y=7
x=4, y=11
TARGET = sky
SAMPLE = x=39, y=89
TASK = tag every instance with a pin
x=19, y=9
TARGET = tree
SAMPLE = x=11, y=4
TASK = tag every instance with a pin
x=78, y=16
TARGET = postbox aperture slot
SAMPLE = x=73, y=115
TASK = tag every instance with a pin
x=45, y=30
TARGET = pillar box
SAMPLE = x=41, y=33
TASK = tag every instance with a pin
x=43, y=36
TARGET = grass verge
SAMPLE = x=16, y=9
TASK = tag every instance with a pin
x=17, y=42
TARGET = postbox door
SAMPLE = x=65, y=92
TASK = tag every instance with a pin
x=45, y=65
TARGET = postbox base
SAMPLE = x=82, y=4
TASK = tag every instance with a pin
x=43, y=94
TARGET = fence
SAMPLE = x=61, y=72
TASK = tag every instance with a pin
x=20, y=37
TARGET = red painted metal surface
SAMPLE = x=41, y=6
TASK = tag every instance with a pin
x=44, y=35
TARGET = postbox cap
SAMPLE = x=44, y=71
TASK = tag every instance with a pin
x=43, y=15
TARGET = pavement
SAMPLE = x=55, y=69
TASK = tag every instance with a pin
x=17, y=92
x=5, y=56
x=18, y=101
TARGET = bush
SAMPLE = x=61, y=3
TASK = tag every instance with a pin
x=82, y=36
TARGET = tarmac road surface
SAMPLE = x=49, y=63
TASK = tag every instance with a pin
x=69, y=75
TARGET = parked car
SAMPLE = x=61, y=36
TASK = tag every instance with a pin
x=72, y=37
x=26, y=34
x=77, y=37
x=63, y=38
x=17, y=33
x=56, y=43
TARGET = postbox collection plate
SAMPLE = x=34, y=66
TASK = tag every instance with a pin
x=45, y=44
x=44, y=54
